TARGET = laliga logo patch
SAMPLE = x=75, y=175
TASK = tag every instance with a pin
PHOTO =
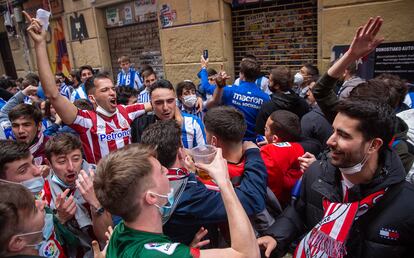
x=49, y=249
x=167, y=248
x=389, y=234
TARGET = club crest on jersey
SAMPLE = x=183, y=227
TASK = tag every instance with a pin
x=167, y=248
x=49, y=249
x=282, y=144
x=389, y=234
x=114, y=135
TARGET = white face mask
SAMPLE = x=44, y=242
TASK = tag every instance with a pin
x=357, y=167
x=102, y=111
x=189, y=100
x=298, y=79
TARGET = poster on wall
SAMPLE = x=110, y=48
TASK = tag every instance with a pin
x=145, y=10
x=56, y=48
x=167, y=16
x=78, y=28
x=112, y=16
x=394, y=58
x=128, y=14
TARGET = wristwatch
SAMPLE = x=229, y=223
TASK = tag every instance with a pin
x=99, y=211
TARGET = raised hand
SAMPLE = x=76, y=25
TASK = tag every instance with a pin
x=66, y=208
x=30, y=90
x=306, y=160
x=35, y=29
x=204, y=62
x=268, y=243
x=197, y=243
x=97, y=253
x=217, y=169
x=85, y=185
x=365, y=39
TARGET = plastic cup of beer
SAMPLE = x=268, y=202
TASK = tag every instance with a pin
x=203, y=154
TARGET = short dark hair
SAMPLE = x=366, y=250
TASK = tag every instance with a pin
x=6, y=83
x=376, y=119
x=282, y=77
x=390, y=91
x=147, y=73
x=184, y=85
x=211, y=72
x=87, y=67
x=17, y=204
x=32, y=78
x=227, y=123
x=250, y=69
x=90, y=82
x=26, y=111
x=11, y=151
x=62, y=143
x=352, y=68
x=286, y=125
x=124, y=93
x=161, y=84
x=312, y=70
x=165, y=137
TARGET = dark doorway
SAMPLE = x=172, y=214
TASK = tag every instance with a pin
x=7, y=56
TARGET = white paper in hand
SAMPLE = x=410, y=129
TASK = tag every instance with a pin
x=43, y=17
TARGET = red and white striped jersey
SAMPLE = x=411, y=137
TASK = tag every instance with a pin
x=101, y=134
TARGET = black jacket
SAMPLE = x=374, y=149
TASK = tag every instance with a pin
x=315, y=126
x=139, y=125
x=289, y=101
x=322, y=179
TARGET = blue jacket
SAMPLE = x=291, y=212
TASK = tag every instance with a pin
x=197, y=206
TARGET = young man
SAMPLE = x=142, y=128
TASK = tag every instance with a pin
x=69, y=187
x=351, y=198
x=163, y=101
x=128, y=77
x=186, y=95
x=262, y=82
x=85, y=72
x=314, y=124
x=193, y=199
x=303, y=78
x=17, y=166
x=282, y=98
x=150, y=77
x=23, y=224
x=101, y=131
x=351, y=80
x=282, y=132
x=246, y=97
x=26, y=124
x=131, y=183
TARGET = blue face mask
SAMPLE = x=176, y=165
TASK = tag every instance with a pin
x=58, y=181
x=46, y=231
x=166, y=207
x=35, y=185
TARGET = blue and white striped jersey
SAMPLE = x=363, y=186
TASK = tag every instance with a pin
x=79, y=93
x=192, y=131
x=144, y=96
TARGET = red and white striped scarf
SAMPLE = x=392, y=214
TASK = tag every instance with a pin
x=327, y=239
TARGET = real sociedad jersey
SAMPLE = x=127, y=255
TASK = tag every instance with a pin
x=100, y=134
x=79, y=93
x=130, y=79
x=144, y=96
x=247, y=98
x=192, y=131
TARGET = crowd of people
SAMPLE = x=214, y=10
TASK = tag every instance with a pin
x=318, y=166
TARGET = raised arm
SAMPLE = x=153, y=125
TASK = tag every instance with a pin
x=243, y=240
x=66, y=110
x=218, y=92
x=363, y=43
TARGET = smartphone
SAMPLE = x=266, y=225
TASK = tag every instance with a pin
x=205, y=54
